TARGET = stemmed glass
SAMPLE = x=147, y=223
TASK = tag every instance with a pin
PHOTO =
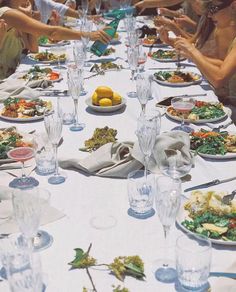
x=22, y=154
x=53, y=122
x=59, y=51
x=28, y=206
x=132, y=55
x=183, y=105
x=98, y=6
x=79, y=53
x=143, y=90
x=86, y=26
x=85, y=7
x=146, y=133
x=74, y=78
x=167, y=206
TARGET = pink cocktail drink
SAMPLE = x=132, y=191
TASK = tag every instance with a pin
x=21, y=154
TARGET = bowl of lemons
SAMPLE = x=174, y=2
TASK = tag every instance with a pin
x=104, y=99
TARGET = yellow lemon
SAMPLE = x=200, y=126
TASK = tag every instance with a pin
x=116, y=98
x=95, y=99
x=105, y=102
x=104, y=91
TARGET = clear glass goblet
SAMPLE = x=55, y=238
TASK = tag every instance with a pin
x=86, y=26
x=74, y=79
x=183, y=105
x=168, y=198
x=53, y=122
x=98, y=6
x=60, y=52
x=142, y=90
x=132, y=55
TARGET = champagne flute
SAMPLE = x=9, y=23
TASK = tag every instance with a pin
x=22, y=154
x=53, y=124
x=74, y=78
x=85, y=7
x=60, y=52
x=132, y=55
x=143, y=91
x=167, y=206
x=183, y=105
x=86, y=26
x=98, y=6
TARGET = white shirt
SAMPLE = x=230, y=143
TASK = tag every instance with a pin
x=46, y=6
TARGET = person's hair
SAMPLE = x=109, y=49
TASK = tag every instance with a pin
x=4, y=3
x=204, y=29
x=213, y=6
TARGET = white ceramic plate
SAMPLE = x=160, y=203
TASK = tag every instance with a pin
x=226, y=110
x=183, y=214
x=60, y=43
x=180, y=84
x=19, y=75
x=31, y=57
x=105, y=109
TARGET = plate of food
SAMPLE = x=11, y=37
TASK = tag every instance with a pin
x=47, y=42
x=166, y=56
x=24, y=110
x=205, y=214
x=177, y=78
x=39, y=73
x=214, y=145
x=153, y=41
x=105, y=100
x=203, y=112
x=47, y=57
x=11, y=138
x=106, y=66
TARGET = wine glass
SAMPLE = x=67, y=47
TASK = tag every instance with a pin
x=60, y=52
x=146, y=133
x=28, y=206
x=167, y=206
x=142, y=90
x=183, y=105
x=85, y=7
x=74, y=79
x=86, y=26
x=98, y=6
x=53, y=124
x=142, y=58
x=132, y=55
x=22, y=154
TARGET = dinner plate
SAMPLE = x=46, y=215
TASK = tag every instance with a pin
x=31, y=57
x=19, y=75
x=105, y=109
x=168, y=60
x=155, y=45
x=183, y=214
x=227, y=112
x=60, y=43
x=180, y=84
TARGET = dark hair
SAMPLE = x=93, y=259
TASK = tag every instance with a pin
x=4, y=3
x=213, y=6
x=204, y=29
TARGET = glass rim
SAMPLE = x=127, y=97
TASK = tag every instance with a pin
x=194, y=237
x=129, y=176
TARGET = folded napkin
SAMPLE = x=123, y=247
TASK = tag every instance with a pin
x=21, y=88
x=8, y=224
x=110, y=160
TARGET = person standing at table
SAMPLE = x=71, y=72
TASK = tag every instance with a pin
x=3, y=30
x=13, y=44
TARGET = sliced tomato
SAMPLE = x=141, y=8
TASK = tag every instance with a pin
x=54, y=76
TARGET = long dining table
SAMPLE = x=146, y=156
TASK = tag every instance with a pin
x=83, y=196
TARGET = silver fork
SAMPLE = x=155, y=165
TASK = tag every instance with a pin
x=228, y=198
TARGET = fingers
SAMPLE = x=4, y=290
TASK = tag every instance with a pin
x=105, y=38
x=3, y=25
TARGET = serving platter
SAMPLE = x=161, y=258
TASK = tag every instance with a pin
x=105, y=109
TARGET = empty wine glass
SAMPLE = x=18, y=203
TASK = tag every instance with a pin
x=86, y=26
x=28, y=206
x=183, y=105
x=142, y=58
x=146, y=133
x=60, y=52
x=22, y=154
x=132, y=55
x=98, y=6
x=84, y=7
x=53, y=122
x=74, y=78
x=142, y=90
x=167, y=206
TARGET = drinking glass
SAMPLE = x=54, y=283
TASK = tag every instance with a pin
x=85, y=7
x=59, y=51
x=98, y=6
x=74, y=78
x=23, y=268
x=193, y=262
x=183, y=105
x=28, y=206
x=142, y=90
x=132, y=55
x=146, y=133
x=86, y=26
x=22, y=154
x=142, y=58
x=167, y=206
x=53, y=126
x=141, y=194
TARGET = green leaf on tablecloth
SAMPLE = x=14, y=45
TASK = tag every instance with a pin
x=82, y=259
x=119, y=289
x=134, y=271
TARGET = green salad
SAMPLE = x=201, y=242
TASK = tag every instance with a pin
x=164, y=54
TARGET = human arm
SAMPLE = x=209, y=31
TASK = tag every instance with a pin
x=186, y=22
x=216, y=71
x=17, y=19
x=3, y=30
x=169, y=13
x=141, y=5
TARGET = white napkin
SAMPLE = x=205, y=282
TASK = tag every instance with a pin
x=223, y=284
x=110, y=160
x=8, y=224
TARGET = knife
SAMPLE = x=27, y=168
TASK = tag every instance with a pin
x=223, y=274
x=209, y=184
x=187, y=95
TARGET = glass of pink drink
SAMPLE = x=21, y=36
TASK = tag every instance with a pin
x=183, y=105
x=22, y=154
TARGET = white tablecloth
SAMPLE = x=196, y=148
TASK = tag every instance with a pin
x=81, y=197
